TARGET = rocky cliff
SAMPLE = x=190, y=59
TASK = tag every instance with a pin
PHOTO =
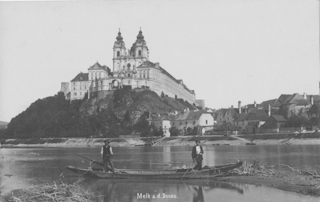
x=119, y=112
x=132, y=103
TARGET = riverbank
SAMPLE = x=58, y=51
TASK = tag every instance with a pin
x=276, y=176
x=215, y=140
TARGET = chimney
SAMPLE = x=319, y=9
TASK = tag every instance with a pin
x=157, y=64
x=231, y=106
x=269, y=110
x=255, y=104
x=311, y=99
x=304, y=96
x=239, y=106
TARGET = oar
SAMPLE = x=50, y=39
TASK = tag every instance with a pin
x=92, y=160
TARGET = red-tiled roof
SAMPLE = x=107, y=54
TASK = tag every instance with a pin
x=81, y=77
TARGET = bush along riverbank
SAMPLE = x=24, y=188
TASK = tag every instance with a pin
x=51, y=192
x=217, y=140
x=277, y=176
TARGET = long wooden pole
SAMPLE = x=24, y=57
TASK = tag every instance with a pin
x=92, y=160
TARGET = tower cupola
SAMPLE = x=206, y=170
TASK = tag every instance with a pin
x=119, y=37
x=140, y=36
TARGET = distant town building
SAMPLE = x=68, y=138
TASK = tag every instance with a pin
x=185, y=121
x=201, y=104
x=273, y=123
x=131, y=68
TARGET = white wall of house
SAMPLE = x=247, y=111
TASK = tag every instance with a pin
x=165, y=127
x=206, y=120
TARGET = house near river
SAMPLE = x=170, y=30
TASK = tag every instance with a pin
x=186, y=122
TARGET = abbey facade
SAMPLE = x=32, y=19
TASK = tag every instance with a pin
x=131, y=68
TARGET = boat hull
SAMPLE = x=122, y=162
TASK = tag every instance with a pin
x=206, y=173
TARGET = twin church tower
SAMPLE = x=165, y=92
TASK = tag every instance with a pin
x=123, y=59
x=130, y=68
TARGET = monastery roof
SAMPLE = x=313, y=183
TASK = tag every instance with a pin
x=81, y=77
x=97, y=66
x=147, y=63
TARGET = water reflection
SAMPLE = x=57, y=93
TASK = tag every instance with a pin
x=161, y=190
x=198, y=194
x=22, y=167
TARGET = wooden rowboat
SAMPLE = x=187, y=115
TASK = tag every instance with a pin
x=205, y=173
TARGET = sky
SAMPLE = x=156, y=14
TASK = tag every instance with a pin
x=225, y=50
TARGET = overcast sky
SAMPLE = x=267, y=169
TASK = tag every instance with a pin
x=225, y=50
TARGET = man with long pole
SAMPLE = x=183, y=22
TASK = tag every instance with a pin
x=106, y=155
x=196, y=154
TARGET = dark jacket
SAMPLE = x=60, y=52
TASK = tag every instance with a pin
x=106, y=151
x=194, y=152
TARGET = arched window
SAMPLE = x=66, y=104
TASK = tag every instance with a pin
x=139, y=52
x=128, y=65
x=118, y=53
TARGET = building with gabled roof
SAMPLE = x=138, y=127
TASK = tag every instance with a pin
x=274, y=123
x=225, y=117
x=133, y=68
x=184, y=121
x=79, y=86
x=251, y=122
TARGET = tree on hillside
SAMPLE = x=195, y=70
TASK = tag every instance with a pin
x=49, y=117
x=162, y=94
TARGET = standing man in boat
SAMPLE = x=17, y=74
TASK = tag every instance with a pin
x=196, y=154
x=106, y=155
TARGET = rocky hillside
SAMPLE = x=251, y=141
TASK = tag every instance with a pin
x=133, y=104
x=120, y=112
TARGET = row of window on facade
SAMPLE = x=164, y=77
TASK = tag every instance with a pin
x=74, y=88
x=75, y=93
x=139, y=53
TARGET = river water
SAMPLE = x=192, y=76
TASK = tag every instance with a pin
x=22, y=167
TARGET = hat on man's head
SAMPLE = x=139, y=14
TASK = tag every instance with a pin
x=197, y=141
x=107, y=141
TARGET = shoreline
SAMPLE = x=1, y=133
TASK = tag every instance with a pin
x=216, y=140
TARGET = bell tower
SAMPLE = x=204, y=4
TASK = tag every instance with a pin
x=139, y=50
x=119, y=53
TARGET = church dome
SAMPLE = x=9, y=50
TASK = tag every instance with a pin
x=140, y=36
x=119, y=37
